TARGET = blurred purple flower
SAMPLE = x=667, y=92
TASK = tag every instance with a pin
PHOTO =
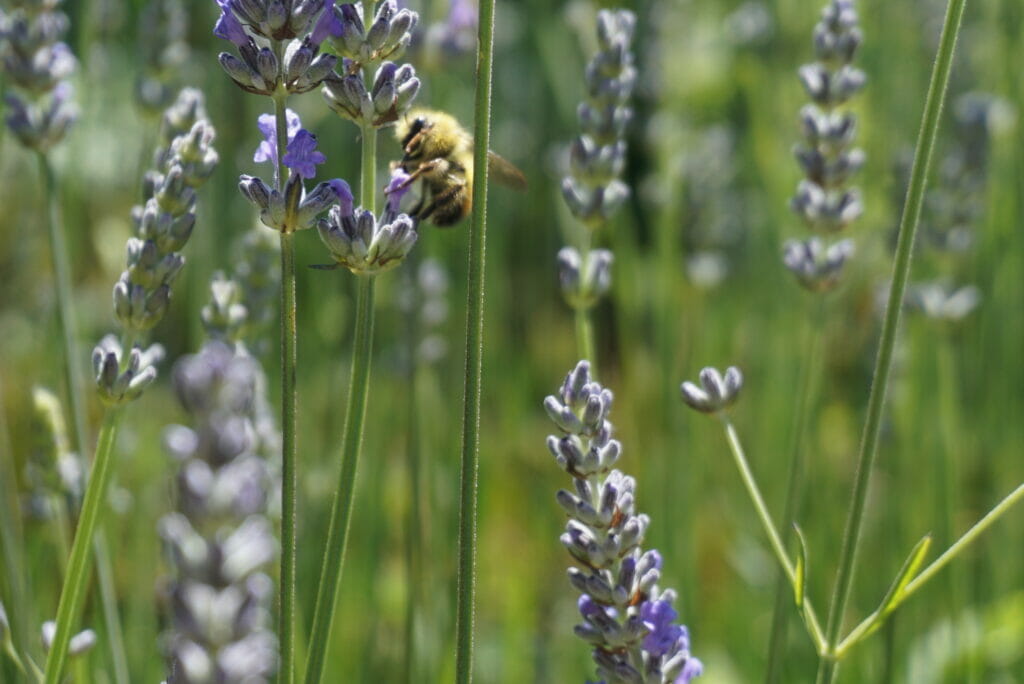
x=302, y=156
x=267, y=151
x=327, y=25
x=228, y=27
x=397, y=188
x=659, y=617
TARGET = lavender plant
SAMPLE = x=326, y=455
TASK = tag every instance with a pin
x=279, y=55
x=219, y=539
x=629, y=621
x=827, y=203
x=371, y=91
x=122, y=367
x=593, y=190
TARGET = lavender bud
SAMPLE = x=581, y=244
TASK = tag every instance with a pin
x=715, y=393
x=816, y=267
x=365, y=245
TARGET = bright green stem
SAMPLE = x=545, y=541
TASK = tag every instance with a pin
x=794, y=487
x=368, y=170
x=341, y=510
x=863, y=629
x=289, y=362
x=466, y=590
x=76, y=395
x=72, y=595
x=883, y=363
x=585, y=337
x=811, y=620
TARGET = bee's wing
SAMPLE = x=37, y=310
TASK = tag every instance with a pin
x=505, y=172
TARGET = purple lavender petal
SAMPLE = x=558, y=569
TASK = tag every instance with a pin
x=302, y=155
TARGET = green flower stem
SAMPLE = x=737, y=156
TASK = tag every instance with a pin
x=811, y=619
x=289, y=361
x=585, y=337
x=341, y=510
x=901, y=272
x=469, y=469
x=810, y=369
x=76, y=395
x=864, y=628
x=355, y=414
x=72, y=595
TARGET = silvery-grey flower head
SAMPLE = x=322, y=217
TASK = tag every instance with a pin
x=388, y=34
x=592, y=189
x=35, y=61
x=817, y=267
x=393, y=91
x=715, y=392
x=942, y=301
x=253, y=25
x=584, y=280
x=119, y=379
x=364, y=244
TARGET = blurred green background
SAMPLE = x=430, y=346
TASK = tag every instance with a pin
x=711, y=170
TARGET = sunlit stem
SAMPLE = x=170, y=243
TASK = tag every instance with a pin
x=887, y=345
x=466, y=590
x=811, y=619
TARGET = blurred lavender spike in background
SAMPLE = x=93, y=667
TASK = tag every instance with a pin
x=219, y=540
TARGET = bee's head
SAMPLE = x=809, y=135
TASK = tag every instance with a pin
x=411, y=140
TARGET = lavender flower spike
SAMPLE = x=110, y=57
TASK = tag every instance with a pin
x=219, y=539
x=629, y=622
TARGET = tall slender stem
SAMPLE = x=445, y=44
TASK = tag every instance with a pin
x=341, y=510
x=289, y=362
x=355, y=413
x=76, y=397
x=72, y=595
x=466, y=590
x=883, y=363
x=585, y=337
x=794, y=487
x=736, y=447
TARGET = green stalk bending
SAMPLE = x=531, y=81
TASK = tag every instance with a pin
x=72, y=596
x=289, y=362
x=76, y=399
x=828, y=663
x=810, y=617
x=865, y=627
x=355, y=413
x=474, y=352
x=794, y=486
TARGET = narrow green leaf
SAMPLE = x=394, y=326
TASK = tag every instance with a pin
x=894, y=596
x=800, y=575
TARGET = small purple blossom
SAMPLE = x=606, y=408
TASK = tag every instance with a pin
x=267, y=151
x=328, y=24
x=396, y=188
x=302, y=156
x=659, y=618
x=691, y=670
x=345, y=196
x=228, y=27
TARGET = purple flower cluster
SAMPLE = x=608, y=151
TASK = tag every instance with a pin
x=629, y=621
x=292, y=209
x=278, y=43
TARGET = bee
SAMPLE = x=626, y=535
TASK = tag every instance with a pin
x=438, y=151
